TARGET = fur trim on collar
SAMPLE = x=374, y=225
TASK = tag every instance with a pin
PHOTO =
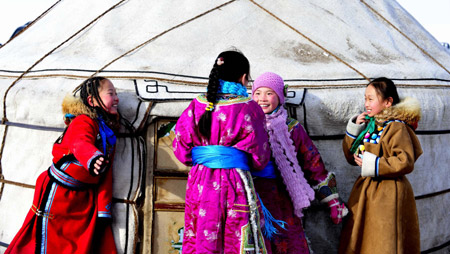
x=73, y=105
x=407, y=110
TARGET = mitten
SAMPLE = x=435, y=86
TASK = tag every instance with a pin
x=327, y=193
x=337, y=210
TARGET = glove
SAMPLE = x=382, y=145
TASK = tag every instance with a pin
x=103, y=166
x=327, y=193
x=337, y=210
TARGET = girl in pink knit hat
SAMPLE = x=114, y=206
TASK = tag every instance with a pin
x=295, y=173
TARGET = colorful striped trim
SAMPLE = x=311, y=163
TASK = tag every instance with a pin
x=97, y=153
x=107, y=213
x=291, y=123
x=350, y=135
x=44, y=228
x=224, y=99
x=104, y=214
x=66, y=180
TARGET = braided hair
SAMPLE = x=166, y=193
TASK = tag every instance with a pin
x=228, y=66
x=90, y=87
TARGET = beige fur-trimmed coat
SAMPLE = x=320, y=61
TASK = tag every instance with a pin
x=383, y=217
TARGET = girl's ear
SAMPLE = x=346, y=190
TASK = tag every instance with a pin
x=244, y=79
x=90, y=101
x=388, y=102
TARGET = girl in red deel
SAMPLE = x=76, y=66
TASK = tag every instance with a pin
x=71, y=210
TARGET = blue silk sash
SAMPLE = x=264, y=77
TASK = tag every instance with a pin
x=220, y=157
x=267, y=172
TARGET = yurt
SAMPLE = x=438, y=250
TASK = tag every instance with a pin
x=159, y=54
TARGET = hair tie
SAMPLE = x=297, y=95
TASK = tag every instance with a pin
x=210, y=107
x=68, y=115
x=220, y=61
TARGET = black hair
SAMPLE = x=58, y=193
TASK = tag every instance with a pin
x=90, y=87
x=385, y=88
x=228, y=66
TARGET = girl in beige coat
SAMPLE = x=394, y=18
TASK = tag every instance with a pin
x=383, y=217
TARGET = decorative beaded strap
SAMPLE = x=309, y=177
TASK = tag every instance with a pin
x=374, y=138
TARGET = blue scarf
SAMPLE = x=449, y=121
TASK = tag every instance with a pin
x=232, y=88
x=106, y=133
x=220, y=157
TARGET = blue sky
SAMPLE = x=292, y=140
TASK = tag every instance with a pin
x=432, y=14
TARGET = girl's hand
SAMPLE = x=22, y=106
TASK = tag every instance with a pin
x=99, y=165
x=361, y=118
x=358, y=160
x=337, y=210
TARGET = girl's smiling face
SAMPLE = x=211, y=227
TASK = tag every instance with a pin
x=267, y=99
x=374, y=104
x=108, y=95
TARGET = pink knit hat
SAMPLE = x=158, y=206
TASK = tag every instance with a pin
x=270, y=80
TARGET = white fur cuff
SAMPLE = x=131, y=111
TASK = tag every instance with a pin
x=353, y=129
x=369, y=164
x=331, y=197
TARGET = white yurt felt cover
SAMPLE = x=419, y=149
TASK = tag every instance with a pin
x=159, y=53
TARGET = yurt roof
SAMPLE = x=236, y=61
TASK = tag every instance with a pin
x=310, y=42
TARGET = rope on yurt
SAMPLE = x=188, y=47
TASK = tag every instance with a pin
x=30, y=186
x=144, y=120
x=163, y=33
x=310, y=40
x=32, y=22
x=4, y=118
x=434, y=249
x=142, y=169
x=50, y=52
x=404, y=35
x=200, y=83
x=132, y=201
x=128, y=196
x=1, y=168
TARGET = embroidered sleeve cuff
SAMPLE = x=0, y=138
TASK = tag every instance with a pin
x=103, y=214
x=369, y=165
x=329, y=198
x=354, y=129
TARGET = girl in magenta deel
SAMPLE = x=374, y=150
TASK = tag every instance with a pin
x=286, y=186
x=221, y=134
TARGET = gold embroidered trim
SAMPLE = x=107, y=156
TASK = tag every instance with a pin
x=42, y=214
